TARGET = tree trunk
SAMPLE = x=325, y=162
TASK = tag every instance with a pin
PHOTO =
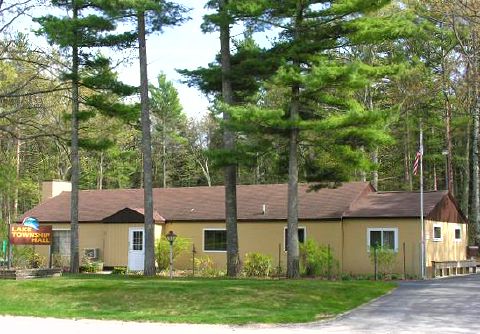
x=74, y=251
x=408, y=156
x=233, y=261
x=149, y=268
x=375, y=171
x=164, y=154
x=474, y=214
x=448, y=135
x=293, y=252
x=18, y=144
x=100, y=172
x=467, y=172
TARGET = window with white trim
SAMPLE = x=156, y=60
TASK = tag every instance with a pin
x=458, y=233
x=301, y=236
x=382, y=237
x=215, y=240
x=61, y=242
x=437, y=232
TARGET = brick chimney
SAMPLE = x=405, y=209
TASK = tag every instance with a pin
x=54, y=188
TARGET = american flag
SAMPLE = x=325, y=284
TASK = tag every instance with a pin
x=417, y=162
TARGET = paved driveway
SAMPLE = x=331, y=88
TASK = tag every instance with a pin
x=442, y=306
x=450, y=305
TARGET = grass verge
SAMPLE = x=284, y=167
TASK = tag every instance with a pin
x=213, y=301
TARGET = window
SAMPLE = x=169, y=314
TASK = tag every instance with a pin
x=437, y=232
x=61, y=242
x=458, y=233
x=301, y=237
x=137, y=242
x=382, y=237
x=215, y=240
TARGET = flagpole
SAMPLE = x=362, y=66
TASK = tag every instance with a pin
x=422, y=223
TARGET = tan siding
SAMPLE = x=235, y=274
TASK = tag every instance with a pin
x=448, y=249
x=158, y=231
x=116, y=244
x=356, y=257
x=111, y=239
x=255, y=237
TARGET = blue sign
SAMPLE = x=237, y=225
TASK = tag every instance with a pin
x=31, y=222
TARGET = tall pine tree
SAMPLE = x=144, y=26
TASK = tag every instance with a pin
x=318, y=80
x=78, y=31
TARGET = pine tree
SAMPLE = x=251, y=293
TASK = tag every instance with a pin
x=148, y=16
x=320, y=82
x=75, y=32
x=231, y=80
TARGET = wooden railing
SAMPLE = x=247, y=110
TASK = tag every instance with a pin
x=451, y=268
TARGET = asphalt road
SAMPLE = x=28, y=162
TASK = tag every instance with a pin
x=449, y=305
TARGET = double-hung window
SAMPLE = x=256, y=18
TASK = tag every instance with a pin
x=382, y=237
x=437, y=232
x=215, y=240
x=458, y=233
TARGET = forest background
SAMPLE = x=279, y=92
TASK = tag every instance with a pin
x=432, y=81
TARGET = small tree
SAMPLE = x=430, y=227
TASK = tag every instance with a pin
x=317, y=260
x=181, y=245
x=385, y=258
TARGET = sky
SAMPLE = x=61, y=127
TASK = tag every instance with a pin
x=182, y=47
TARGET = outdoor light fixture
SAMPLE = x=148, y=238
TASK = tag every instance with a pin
x=171, y=238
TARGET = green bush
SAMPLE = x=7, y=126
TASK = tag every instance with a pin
x=205, y=267
x=180, y=245
x=61, y=261
x=119, y=271
x=24, y=257
x=317, y=260
x=89, y=266
x=386, y=258
x=257, y=265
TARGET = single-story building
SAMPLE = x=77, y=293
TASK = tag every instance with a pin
x=350, y=219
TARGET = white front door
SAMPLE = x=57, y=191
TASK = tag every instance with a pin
x=136, y=248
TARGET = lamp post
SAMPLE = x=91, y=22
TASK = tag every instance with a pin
x=171, y=238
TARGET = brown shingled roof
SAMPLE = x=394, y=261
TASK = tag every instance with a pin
x=438, y=205
x=204, y=203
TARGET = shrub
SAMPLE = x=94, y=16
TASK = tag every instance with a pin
x=386, y=258
x=25, y=257
x=61, y=261
x=89, y=266
x=162, y=253
x=119, y=271
x=206, y=267
x=317, y=260
x=257, y=265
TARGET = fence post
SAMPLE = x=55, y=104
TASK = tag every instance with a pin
x=375, y=261
x=279, y=259
x=329, y=264
x=193, y=260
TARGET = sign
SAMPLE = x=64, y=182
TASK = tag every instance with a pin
x=30, y=233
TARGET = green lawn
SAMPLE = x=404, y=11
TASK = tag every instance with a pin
x=216, y=301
